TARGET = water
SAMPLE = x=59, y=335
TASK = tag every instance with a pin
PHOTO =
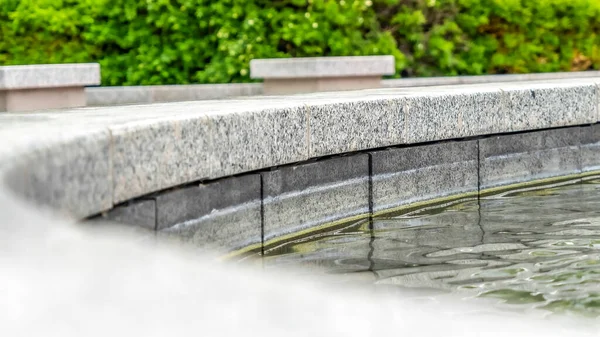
x=531, y=249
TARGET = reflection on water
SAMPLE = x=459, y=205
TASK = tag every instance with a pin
x=539, y=248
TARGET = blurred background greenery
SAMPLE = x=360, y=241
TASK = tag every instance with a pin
x=140, y=42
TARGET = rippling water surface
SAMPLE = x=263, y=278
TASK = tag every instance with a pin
x=534, y=249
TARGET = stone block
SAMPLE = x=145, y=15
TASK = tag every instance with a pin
x=438, y=116
x=48, y=86
x=205, y=142
x=301, y=75
x=223, y=215
x=322, y=67
x=150, y=156
x=519, y=158
x=590, y=148
x=489, y=116
x=257, y=138
x=101, y=96
x=140, y=213
x=404, y=176
x=49, y=76
x=339, y=127
x=68, y=172
x=545, y=105
x=41, y=99
x=305, y=196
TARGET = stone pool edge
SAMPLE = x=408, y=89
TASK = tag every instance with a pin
x=87, y=161
x=555, y=162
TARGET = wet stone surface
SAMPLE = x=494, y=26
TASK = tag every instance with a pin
x=526, y=249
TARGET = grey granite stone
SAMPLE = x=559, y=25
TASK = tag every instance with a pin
x=590, y=148
x=69, y=173
x=490, y=115
x=99, y=96
x=165, y=145
x=353, y=126
x=300, y=197
x=49, y=75
x=154, y=155
x=314, y=67
x=140, y=213
x=247, y=141
x=545, y=106
x=484, y=79
x=437, y=116
x=518, y=158
x=222, y=215
x=407, y=175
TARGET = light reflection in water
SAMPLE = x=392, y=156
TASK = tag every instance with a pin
x=539, y=248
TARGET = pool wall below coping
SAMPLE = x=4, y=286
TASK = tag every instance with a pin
x=239, y=175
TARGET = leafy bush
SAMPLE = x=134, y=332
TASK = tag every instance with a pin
x=456, y=37
x=213, y=41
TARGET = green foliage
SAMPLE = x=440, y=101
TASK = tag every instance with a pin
x=458, y=37
x=213, y=41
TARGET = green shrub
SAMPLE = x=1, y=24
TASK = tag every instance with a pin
x=213, y=41
x=456, y=37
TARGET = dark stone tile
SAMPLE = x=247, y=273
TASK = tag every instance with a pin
x=139, y=213
x=590, y=148
x=223, y=215
x=407, y=175
x=308, y=195
x=519, y=158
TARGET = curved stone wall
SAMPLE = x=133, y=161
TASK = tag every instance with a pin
x=154, y=165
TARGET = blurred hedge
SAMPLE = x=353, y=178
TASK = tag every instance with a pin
x=212, y=41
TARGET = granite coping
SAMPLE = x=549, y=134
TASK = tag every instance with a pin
x=322, y=67
x=49, y=76
x=89, y=159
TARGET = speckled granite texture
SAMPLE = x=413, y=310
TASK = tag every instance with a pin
x=49, y=75
x=350, y=126
x=68, y=172
x=315, y=67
